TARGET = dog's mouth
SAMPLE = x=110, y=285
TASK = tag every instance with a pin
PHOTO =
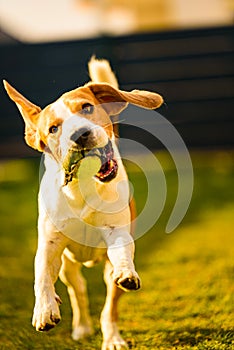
x=109, y=168
x=107, y=171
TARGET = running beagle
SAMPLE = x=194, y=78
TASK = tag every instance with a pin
x=84, y=209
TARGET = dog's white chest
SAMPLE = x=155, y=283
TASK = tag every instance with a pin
x=84, y=211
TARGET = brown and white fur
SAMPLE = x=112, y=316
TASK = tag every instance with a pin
x=68, y=214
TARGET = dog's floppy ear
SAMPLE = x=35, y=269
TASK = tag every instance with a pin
x=106, y=94
x=30, y=113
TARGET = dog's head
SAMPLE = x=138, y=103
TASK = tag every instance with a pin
x=78, y=124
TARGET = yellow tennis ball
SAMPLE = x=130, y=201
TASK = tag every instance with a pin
x=89, y=166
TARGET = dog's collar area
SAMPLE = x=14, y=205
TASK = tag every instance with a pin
x=107, y=171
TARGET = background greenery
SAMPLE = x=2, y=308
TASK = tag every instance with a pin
x=186, y=300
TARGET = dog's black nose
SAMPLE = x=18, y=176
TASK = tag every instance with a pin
x=81, y=136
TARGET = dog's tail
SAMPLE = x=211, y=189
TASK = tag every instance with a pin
x=100, y=72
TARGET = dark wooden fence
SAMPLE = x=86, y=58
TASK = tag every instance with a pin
x=192, y=69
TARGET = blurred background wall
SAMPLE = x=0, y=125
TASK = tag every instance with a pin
x=181, y=49
x=49, y=20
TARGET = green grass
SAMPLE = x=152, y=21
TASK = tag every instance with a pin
x=186, y=300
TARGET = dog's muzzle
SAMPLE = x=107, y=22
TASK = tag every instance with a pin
x=107, y=171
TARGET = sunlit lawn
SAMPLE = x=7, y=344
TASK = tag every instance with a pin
x=186, y=300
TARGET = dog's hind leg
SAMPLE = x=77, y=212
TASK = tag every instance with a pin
x=71, y=276
x=109, y=316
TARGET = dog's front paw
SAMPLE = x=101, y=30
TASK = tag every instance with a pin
x=46, y=314
x=127, y=280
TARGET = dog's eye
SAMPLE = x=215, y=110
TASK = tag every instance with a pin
x=87, y=108
x=53, y=129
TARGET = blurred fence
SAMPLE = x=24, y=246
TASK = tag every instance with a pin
x=192, y=69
